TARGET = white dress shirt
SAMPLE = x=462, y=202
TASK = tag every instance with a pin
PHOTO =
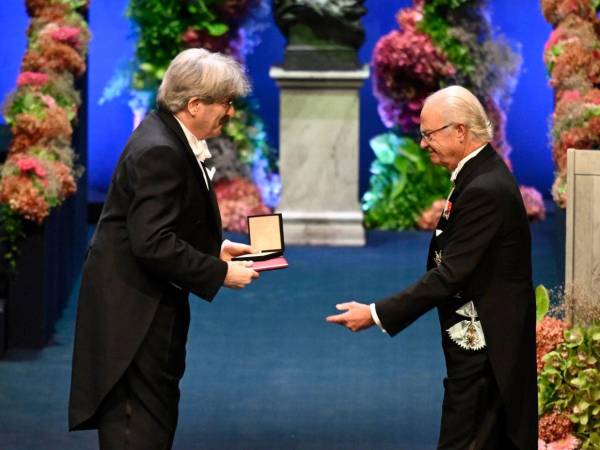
x=199, y=147
x=453, y=177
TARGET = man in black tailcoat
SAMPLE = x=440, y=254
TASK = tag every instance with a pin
x=479, y=278
x=158, y=239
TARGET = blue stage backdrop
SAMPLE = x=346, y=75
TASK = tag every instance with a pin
x=113, y=45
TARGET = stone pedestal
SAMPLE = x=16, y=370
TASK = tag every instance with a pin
x=319, y=156
x=582, y=274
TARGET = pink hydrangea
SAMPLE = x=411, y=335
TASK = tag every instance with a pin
x=570, y=442
x=554, y=426
x=32, y=78
x=238, y=198
x=49, y=101
x=549, y=333
x=569, y=96
x=67, y=35
x=557, y=35
x=407, y=66
x=534, y=203
x=31, y=165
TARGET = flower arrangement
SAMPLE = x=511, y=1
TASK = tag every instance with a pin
x=407, y=67
x=238, y=198
x=226, y=26
x=534, y=203
x=39, y=173
x=402, y=179
x=572, y=58
x=568, y=372
x=438, y=43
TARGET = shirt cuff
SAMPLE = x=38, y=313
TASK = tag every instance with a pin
x=376, y=318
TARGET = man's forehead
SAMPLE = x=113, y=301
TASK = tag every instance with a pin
x=430, y=113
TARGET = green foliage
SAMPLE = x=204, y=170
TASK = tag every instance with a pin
x=435, y=25
x=161, y=24
x=246, y=131
x=403, y=183
x=75, y=4
x=11, y=235
x=25, y=103
x=570, y=381
x=542, y=302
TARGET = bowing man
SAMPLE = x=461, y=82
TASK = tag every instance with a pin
x=158, y=239
x=479, y=279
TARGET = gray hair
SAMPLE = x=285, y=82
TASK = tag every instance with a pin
x=459, y=105
x=195, y=72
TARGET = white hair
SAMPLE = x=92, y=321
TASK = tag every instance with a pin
x=459, y=105
x=195, y=72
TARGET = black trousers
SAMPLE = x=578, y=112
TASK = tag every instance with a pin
x=140, y=412
x=473, y=417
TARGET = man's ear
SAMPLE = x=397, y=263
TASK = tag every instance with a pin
x=462, y=132
x=192, y=106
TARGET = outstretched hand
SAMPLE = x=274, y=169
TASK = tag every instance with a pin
x=356, y=318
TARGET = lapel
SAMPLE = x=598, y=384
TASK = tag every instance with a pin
x=170, y=121
x=469, y=170
x=464, y=177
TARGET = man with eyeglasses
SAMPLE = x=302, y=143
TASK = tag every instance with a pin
x=479, y=279
x=158, y=239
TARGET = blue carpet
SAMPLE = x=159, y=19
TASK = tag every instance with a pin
x=264, y=369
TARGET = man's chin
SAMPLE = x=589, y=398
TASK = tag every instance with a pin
x=216, y=133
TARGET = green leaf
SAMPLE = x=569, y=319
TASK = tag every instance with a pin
x=542, y=302
x=583, y=420
x=216, y=29
x=382, y=149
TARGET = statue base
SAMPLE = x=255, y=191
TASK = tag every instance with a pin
x=319, y=151
x=331, y=57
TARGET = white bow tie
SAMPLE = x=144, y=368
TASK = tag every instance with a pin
x=201, y=150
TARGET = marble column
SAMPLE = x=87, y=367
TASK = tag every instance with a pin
x=319, y=156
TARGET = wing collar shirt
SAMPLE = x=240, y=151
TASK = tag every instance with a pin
x=199, y=147
x=453, y=177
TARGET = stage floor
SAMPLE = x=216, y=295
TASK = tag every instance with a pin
x=264, y=369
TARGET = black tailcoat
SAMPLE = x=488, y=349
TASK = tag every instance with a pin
x=485, y=257
x=160, y=226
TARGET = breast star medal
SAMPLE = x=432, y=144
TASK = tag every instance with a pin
x=447, y=209
x=437, y=258
x=467, y=334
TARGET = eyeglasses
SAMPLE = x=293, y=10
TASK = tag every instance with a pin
x=426, y=135
x=227, y=103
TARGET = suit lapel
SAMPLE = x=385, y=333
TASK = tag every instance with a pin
x=170, y=121
x=213, y=199
x=470, y=170
x=466, y=174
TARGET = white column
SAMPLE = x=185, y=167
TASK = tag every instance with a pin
x=319, y=156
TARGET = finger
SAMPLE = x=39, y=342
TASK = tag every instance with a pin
x=337, y=318
x=247, y=263
x=243, y=248
x=255, y=274
x=343, y=306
